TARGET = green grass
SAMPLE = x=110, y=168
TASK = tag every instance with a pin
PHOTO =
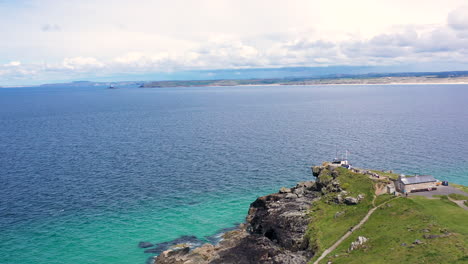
x=383, y=198
x=446, y=212
x=387, y=174
x=461, y=187
x=458, y=197
x=403, y=221
x=325, y=227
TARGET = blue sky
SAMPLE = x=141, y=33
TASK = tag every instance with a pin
x=44, y=40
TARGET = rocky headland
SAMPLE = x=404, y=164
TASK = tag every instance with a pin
x=274, y=233
x=290, y=227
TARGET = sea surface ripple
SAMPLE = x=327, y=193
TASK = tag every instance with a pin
x=88, y=173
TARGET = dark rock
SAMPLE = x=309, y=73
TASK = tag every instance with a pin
x=156, y=250
x=307, y=185
x=189, y=241
x=145, y=245
x=177, y=256
x=299, y=191
x=316, y=170
x=284, y=224
x=427, y=236
x=291, y=196
x=274, y=234
x=218, y=236
x=403, y=244
x=351, y=200
x=334, y=186
x=334, y=174
x=326, y=181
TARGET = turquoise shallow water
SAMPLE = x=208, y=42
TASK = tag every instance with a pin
x=88, y=173
x=111, y=237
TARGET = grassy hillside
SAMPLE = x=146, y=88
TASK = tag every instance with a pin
x=390, y=175
x=439, y=224
x=329, y=220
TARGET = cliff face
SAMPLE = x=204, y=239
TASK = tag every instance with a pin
x=274, y=233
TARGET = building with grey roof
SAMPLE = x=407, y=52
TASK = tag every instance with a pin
x=415, y=183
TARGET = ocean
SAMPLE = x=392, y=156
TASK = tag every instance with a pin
x=88, y=173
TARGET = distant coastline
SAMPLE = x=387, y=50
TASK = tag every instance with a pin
x=453, y=77
x=321, y=81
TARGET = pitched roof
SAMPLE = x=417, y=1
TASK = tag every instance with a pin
x=418, y=179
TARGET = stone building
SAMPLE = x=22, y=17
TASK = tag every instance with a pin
x=415, y=183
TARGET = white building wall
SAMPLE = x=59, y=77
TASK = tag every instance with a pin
x=419, y=186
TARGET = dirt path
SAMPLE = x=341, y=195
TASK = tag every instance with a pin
x=459, y=203
x=345, y=236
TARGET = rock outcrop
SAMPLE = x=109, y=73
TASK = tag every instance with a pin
x=359, y=243
x=274, y=233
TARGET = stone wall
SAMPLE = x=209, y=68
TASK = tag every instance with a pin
x=419, y=186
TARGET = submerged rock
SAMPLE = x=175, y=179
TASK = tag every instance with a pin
x=219, y=235
x=183, y=241
x=145, y=245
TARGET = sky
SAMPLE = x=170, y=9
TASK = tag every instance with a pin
x=50, y=40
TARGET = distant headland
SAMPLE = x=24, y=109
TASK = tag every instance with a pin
x=449, y=77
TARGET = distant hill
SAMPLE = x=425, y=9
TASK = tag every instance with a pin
x=299, y=76
x=368, y=78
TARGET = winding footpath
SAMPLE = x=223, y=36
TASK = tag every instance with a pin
x=459, y=203
x=345, y=236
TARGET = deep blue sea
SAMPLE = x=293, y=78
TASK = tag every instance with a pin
x=88, y=173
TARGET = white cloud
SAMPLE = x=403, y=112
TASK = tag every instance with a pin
x=85, y=38
x=13, y=63
x=458, y=18
x=81, y=63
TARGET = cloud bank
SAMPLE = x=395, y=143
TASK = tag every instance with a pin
x=82, y=39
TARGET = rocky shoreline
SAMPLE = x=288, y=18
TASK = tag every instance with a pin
x=287, y=227
x=274, y=232
x=276, y=225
